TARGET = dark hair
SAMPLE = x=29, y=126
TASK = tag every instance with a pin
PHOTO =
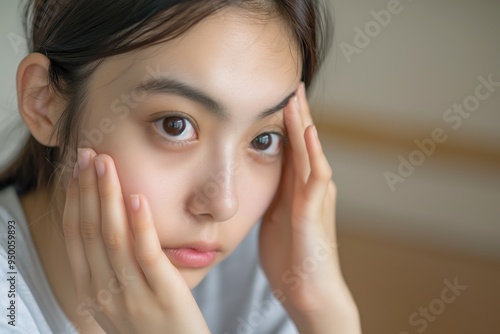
x=77, y=36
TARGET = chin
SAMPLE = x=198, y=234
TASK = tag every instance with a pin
x=193, y=276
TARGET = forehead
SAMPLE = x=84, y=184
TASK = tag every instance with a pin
x=246, y=63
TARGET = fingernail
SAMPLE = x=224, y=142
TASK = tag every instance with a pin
x=100, y=167
x=134, y=199
x=83, y=158
x=76, y=171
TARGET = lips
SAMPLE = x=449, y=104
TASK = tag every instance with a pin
x=194, y=255
x=201, y=246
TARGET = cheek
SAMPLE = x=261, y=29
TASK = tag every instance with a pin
x=167, y=187
x=160, y=186
x=168, y=183
x=257, y=186
x=143, y=179
x=257, y=189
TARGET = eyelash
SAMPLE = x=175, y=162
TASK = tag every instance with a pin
x=156, y=132
x=283, y=143
x=182, y=143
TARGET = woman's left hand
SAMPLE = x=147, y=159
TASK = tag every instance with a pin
x=297, y=237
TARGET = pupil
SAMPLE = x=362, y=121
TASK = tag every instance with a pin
x=174, y=126
x=262, y=142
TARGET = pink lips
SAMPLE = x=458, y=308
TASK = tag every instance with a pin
x=196, y=256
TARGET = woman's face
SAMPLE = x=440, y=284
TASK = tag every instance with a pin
x=186, y=124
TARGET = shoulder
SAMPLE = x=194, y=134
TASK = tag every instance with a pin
x=22, y=312
x=10, y=206
x=22, y=315
x=26, y=294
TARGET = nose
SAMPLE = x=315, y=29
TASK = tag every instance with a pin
x=216, y=195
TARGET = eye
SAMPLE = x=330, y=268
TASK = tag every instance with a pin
x=268, y=144
x=176, y=128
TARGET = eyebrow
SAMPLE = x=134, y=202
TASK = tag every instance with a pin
x=166, y=85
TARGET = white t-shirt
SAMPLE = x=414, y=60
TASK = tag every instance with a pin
x=234, y=297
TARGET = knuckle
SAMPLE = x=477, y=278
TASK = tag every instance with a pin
x=324, y=174
x=327, y=173
x=107, y=192
x=147, y=259
x=71, y=231
x=88, y=230
x=112, y=241
x=73, y=192
x=86, y=185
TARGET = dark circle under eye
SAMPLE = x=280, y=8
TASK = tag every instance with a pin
x=262, y=142
x=174, y=126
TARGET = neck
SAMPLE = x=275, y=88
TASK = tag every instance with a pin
x=46, y=232
x=44, y=217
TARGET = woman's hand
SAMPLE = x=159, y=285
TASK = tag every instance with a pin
x=124, y=281
x=298, y=248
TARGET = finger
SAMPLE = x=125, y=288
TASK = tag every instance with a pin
x=295, y=129
x=73, y=239
x=285, y=191
x=90, y=218
x=154, y=263
x=286, y=183
x=115, y=230
x=321, y=172
x=304, y=105
x=329, y=209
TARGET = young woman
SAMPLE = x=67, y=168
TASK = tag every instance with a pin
x=173, y=180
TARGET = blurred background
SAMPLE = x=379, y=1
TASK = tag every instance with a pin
x=408, y=110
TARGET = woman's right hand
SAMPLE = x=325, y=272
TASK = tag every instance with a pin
x=123, y=280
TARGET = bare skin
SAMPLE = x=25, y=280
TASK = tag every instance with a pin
x=95, y=232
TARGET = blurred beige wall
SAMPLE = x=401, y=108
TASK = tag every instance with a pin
x=372, y=106
x=393, y=283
